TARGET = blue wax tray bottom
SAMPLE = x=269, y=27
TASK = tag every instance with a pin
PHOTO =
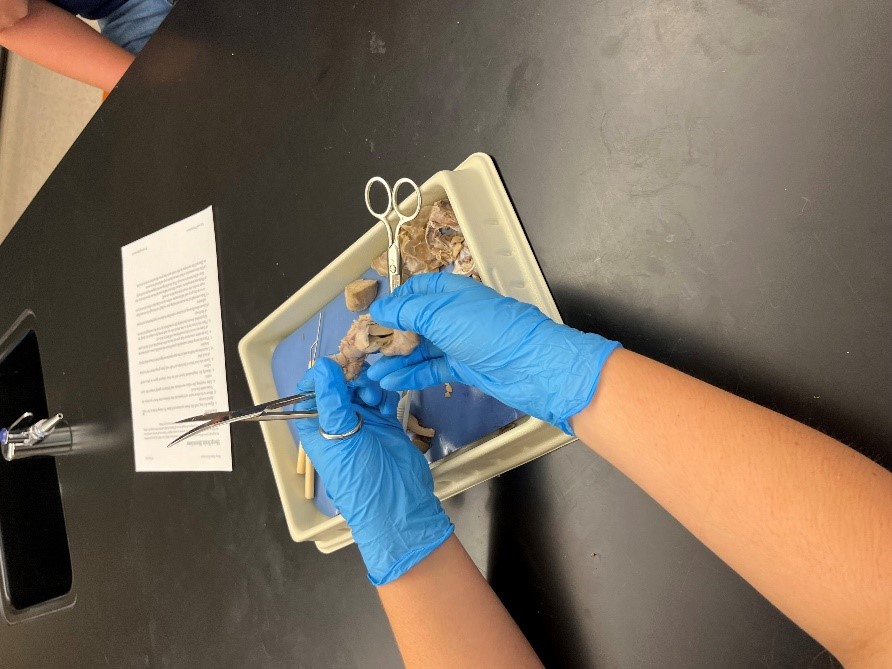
x=465, y=417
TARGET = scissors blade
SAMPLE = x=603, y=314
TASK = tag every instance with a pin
x=250, y=412
x=223, y=420
x=394, y=266
x=258, y=412
x=282, y=415
x=205, y=416
x=234, y=414
x=201, y=428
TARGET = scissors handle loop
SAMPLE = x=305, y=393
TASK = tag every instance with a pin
x=393, y=204
x=380, y=215
x=404, y=218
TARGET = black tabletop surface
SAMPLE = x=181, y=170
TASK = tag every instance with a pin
x=706, y=182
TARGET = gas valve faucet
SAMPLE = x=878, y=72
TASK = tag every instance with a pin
x=50, y=436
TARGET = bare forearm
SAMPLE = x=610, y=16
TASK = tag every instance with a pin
x=446, y=588
x=53, y=38
x=803, y=518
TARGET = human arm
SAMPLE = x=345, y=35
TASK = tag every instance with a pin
x=383, y=487
x=59, y=41
x=448, y=587
x=805, y=519
x=12, y=11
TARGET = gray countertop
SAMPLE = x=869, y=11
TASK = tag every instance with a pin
x=706, y=182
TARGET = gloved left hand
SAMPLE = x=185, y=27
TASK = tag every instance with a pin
x=378, y=480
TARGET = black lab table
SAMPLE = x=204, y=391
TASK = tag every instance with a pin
x=706, y=182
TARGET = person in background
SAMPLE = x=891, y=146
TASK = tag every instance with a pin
x=804, y=519
x=51, y=35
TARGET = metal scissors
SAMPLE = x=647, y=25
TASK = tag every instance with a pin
x=260, y=412
x=394, y=258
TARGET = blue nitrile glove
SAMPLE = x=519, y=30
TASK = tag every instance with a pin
x=378, y=480
x=508, y=349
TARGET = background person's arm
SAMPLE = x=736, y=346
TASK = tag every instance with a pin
x=12, y=11
x=803, y=518
x=59, y=41
x=446, y=589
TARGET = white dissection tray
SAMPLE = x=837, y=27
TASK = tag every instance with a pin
x=504, y=261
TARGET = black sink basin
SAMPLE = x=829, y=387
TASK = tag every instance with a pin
x=34, y=557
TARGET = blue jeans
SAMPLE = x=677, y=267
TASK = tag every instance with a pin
x=132, y=24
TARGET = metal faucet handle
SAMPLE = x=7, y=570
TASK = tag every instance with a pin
x=24, y=416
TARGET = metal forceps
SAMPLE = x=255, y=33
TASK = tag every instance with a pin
x=394, y=258
x=260, y=412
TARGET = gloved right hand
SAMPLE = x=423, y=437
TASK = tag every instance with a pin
x=376, y=477
x=506, y=348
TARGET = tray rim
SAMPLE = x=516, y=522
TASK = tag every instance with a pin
x=332, y=533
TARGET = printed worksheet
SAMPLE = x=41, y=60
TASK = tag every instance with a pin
x=175, y=346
